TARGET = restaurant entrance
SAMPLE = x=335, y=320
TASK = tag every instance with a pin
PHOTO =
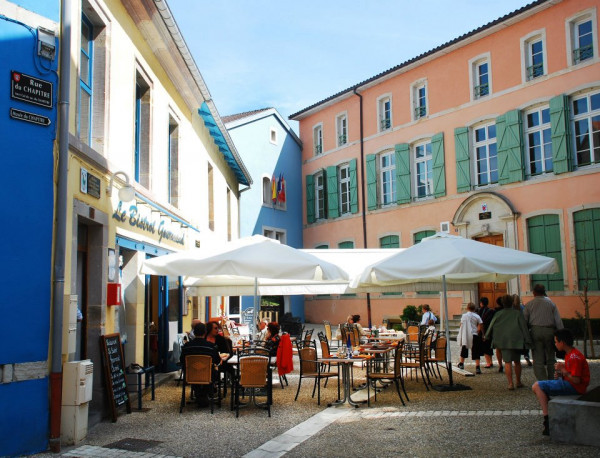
x=489, y=289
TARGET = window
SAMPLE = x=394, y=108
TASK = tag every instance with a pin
x=480, y=76
x=347, y=245
x=543, y=233
x=387, y=180
x=418, y=236
x=322, y=247
x=273, y=136
x=533, y=49
x=583, y=41
x=384, y=113
x=587, y=246
x=342, y=129
x=538, y=140
x=267, y=191
x=86, y=70
x=389, y=241
x=586, y=119
x=275, y=234
x=142, y=131
x=486, y=160
x=344, y=189
x=423, y=170
x=319, y=196
x=211, y=199
x=318, y=139
x=419, y=97
x=173, y=165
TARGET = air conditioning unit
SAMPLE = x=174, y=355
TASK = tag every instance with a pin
x=445, y=227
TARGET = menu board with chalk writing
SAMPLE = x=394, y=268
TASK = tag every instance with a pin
x=114, y=369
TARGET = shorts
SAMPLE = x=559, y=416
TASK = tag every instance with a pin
x=486, y=348
x=557, y=387
x=510, y=355
x=476, y=350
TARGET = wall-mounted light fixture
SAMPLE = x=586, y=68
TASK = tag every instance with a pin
x=126, y=193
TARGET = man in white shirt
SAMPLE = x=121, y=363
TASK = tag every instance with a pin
x=469, y=337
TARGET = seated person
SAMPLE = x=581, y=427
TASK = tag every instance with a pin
x=200, y=346
x=222, y=343
x=354, y=319
x=572, y=376
x=262, y=326
x=272, y=338
x=191, y=334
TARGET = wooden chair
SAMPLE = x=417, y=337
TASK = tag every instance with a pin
x=310, y=368
x=416, y=359
x=439, y=356
x=395, y=375
x=254, y=373
x=329, y=335
x=326, y=353
x=198, y=370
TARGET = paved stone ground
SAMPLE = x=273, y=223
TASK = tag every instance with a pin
x=487, y=420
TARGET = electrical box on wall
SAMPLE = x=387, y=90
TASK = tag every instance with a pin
x=113, y=294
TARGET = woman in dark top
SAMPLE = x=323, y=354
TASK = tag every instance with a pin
x=272, y=338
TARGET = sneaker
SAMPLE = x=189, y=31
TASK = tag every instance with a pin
x=460, y=366
x=501, y=369
x=529, y=363
x=478, y=370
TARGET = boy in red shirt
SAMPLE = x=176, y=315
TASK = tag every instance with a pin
x=571, y=377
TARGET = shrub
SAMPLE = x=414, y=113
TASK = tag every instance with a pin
x=411, y=313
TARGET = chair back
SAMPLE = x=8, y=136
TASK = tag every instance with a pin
x=253, y=371
x=350, y=330
x=327, y=325
x=355, y=331
x=324, y=345
x=412, y=334
x=226, y=332
x=198, y=369
x=308, y=359
x=308, y=336
x=235, y=331
x=440, y=348
x=398, y=355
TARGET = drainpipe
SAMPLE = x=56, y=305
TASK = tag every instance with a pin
x=362, y=190
x=61, y=229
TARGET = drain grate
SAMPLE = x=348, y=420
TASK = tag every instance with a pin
x=133, y=445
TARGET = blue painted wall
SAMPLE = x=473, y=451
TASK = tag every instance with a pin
x=26, y=232
x=262, y=157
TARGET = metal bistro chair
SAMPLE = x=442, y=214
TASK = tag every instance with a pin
x=395, y=375
x=310, y=368
x=326, y=353
x=254, y=373
x=329, y=335
x=439, y=356
x=416, y=359
x=198, y=370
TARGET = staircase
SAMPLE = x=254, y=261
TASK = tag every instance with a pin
x=454, y=326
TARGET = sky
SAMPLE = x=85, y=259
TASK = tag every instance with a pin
x=289, y=55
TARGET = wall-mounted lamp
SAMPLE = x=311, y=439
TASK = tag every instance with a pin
x=126, y=193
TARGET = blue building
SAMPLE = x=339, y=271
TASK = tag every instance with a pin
x=29, y=55
x=272, y=153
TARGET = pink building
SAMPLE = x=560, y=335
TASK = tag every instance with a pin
x=493, y=136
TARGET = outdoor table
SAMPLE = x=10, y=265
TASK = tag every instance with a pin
x=345, y=364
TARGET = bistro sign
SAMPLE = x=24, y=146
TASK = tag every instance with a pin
x=148, y=224
x=30, y=89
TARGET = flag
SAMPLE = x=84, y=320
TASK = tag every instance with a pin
x=279, y=189
x=282, y=193
x=273, y=189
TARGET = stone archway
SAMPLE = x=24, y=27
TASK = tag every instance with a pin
x=484, y=215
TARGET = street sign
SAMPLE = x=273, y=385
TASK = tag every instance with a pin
x=29, y=117
x=30, y=89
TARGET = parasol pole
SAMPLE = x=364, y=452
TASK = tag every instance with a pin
x=446, y=328
x=253, y=330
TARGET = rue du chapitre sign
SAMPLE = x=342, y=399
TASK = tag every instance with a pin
x=134, y=218
x=30, y=89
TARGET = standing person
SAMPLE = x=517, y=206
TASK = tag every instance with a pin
x=486, y=315
x=469, y=337
x=518, y=305
x=509, y=333
x=498, y=352
x=573, y=376
x=543, y=318
x=427, y=315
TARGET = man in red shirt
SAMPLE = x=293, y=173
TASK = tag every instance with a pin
x=571, y=377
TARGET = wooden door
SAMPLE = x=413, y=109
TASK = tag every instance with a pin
x=489, y=289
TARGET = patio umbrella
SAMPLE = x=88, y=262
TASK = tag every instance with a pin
x=444, y=262
x=249, y=260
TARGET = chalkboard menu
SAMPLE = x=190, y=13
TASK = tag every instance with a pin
x=114, y=370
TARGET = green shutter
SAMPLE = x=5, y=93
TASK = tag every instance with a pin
x=389, y=241
x=333, y=207
x=509, y=134
x=372, y=181
x=346, y=245
x=544, y=238
x=310, y=199
x=561, y=138
x=353, y=187
x=587, y=245
x=418, y=236
x=439, y=165
x=402, y=173
x=463, y=159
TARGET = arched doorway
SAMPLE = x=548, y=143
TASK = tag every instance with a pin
x=491, y=290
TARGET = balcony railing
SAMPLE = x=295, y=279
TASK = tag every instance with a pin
x=583, y=53
x=482, y=90
x=385, y=123
x=318, y=149
x=535, y=70
x=341, y=140
x=420, y=112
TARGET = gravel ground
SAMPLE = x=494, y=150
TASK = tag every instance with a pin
x=376, y=431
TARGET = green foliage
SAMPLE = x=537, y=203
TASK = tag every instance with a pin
x=411, y=313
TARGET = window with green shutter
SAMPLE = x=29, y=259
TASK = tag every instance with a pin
x=389, y=241
x=372, y=181
x=543, y=234
x=587, y=246
x=561, y=141
x=439, y=165
x=353, y=187
x=348, y=245
x=509, y=132
x=402, y=173
x=310, y=199
x=322, y=247
x=333, y=209
x=463, y=159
